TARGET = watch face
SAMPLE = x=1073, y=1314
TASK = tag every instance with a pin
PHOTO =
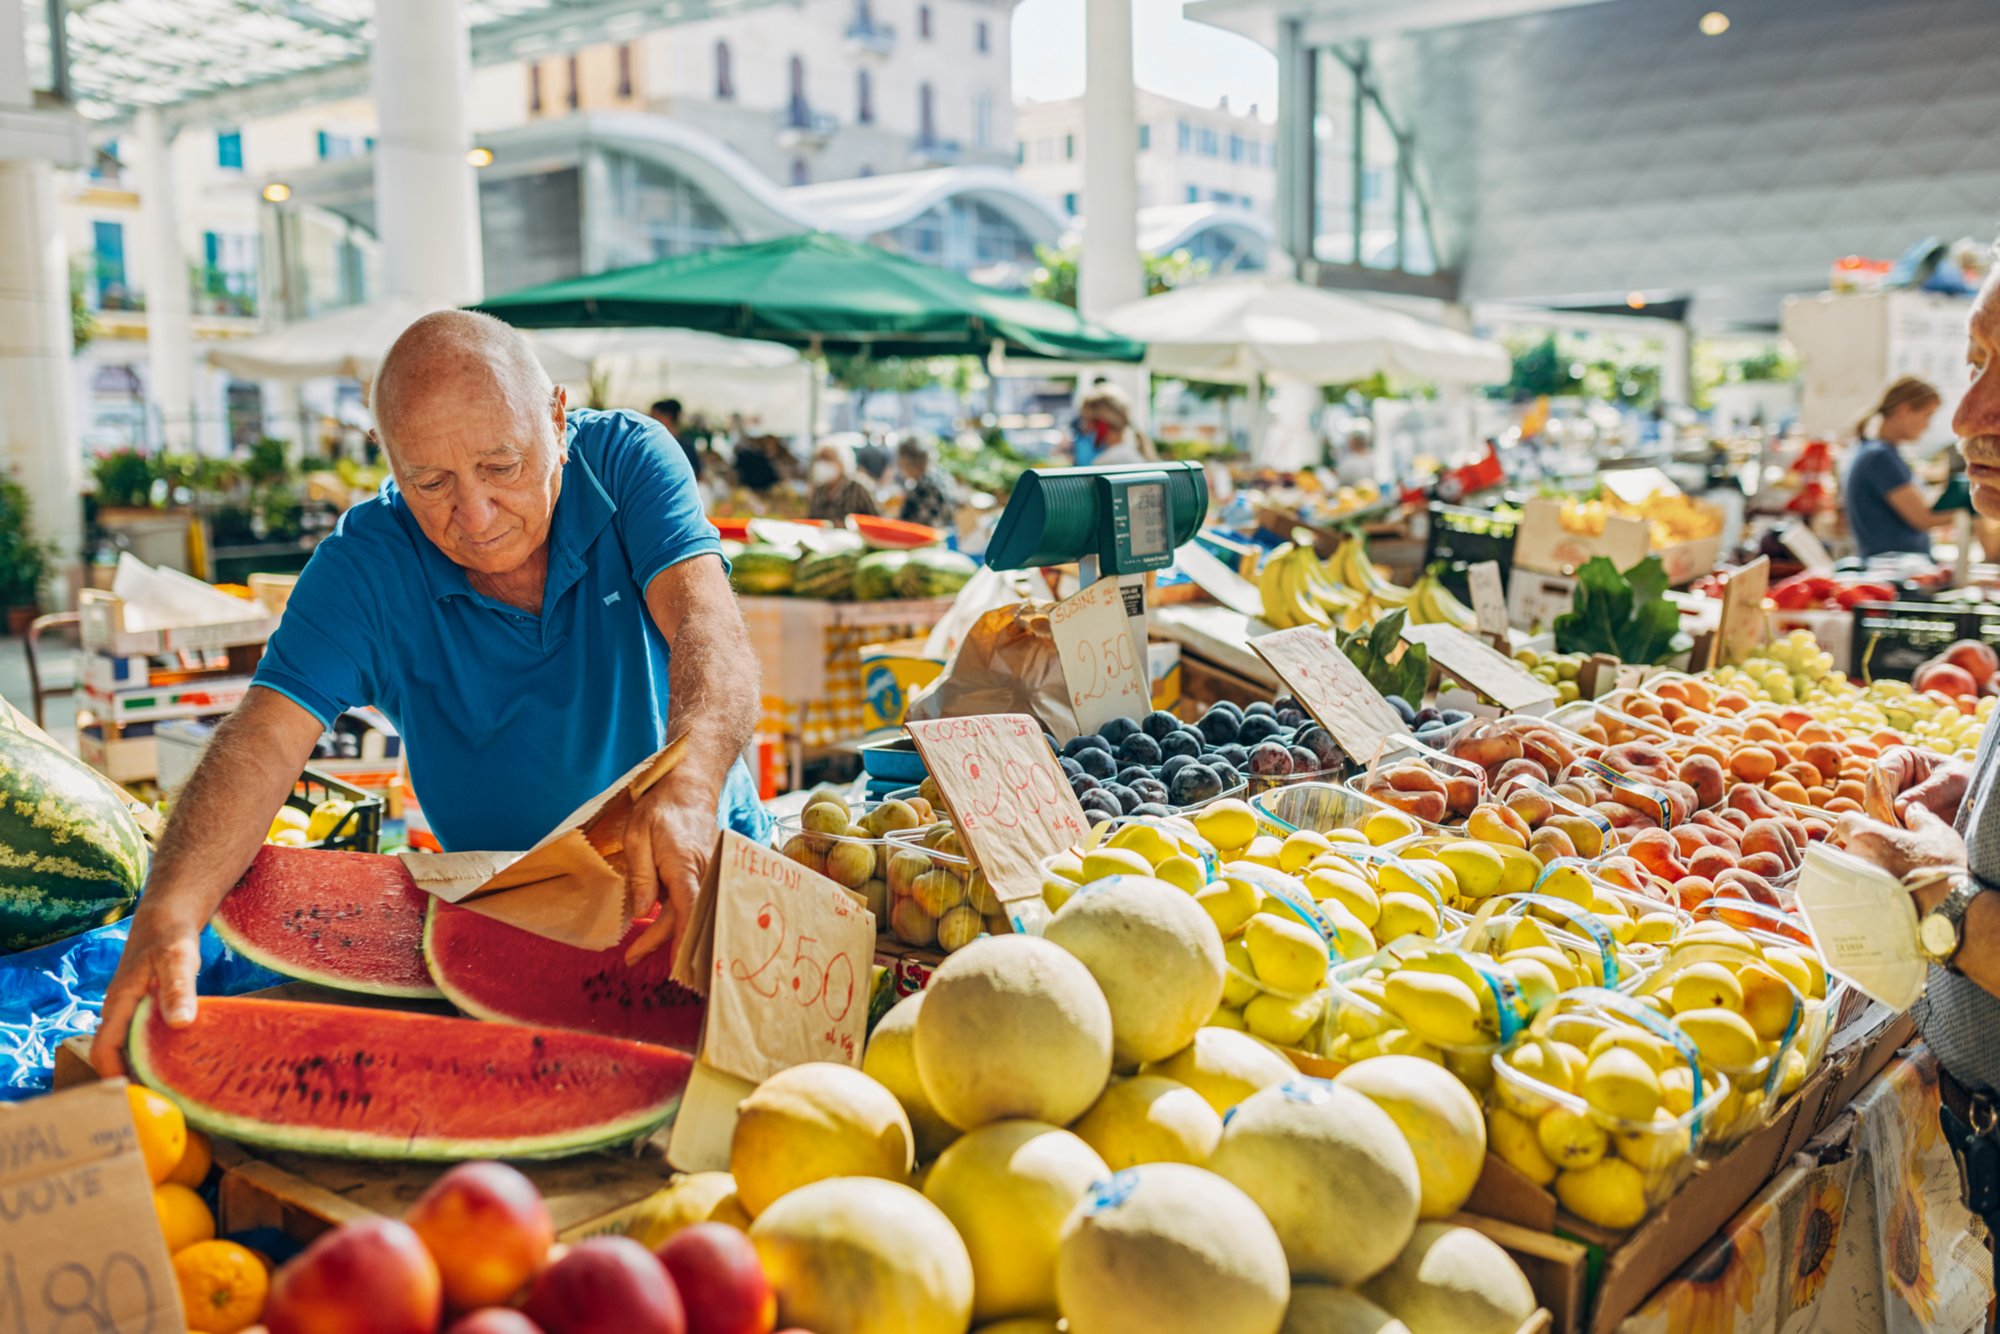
x=1937, y=935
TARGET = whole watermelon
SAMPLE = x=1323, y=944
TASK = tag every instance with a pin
x=825, y=574
x=763, y=569
x=875, y=576
x=934, y=573
x=71, y=856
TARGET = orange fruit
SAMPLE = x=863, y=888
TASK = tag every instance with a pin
x=1787, y=789
x=163, y=1131
x=222, y=1285
x=183, y=1217
x=193, y=1167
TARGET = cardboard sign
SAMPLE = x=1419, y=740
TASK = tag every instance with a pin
x=1489, y=599
x=784, y=956
x=1471, y=662
x=1220, y=582
x=1006, y=793
x=1105, y=671
x=571, y=885
x=80, y=1247
x=1332, y=689
x=1742, y=627
x=1804, y=543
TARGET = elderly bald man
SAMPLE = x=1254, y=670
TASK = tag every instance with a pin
x=534, y=599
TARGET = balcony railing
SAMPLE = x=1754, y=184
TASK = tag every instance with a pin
x=867, y=37
x=929, y=149
x=799, y=124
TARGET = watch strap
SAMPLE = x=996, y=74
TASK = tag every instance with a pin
x=1952, y=909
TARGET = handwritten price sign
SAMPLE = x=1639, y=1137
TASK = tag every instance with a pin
x=1331, y=689
x=1489, y=601
x=1477, y=664
x=79, y=1247
x=1006, y=793
x=1102, y=665
x=1742, y=624
x=790, y=974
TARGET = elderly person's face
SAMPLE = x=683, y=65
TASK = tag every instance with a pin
x=479, y=471
x=1977, y=421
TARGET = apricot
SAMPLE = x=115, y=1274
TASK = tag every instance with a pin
x=1762, y=729
x=1819, y=796
x=1584, y=835
x=1753, y=764
x=1642, y=707
x=1862, y=748
x=1825, y=756
x=1805, y=775
x=1786, y=789
x=1731, y=701
x=1841, y=806
x=1594, y=731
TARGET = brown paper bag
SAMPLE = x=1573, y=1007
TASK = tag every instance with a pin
x=1007, y=663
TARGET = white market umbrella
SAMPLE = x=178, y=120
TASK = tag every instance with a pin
x=1258, y=327
x=351, y=343
x=770, y=386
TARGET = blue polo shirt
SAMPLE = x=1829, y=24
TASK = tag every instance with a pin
x=510, y=721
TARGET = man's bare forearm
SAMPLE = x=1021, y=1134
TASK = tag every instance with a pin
x=223, y=813
x=717, y=692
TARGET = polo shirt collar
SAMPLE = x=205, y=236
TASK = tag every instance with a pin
x=582, y=511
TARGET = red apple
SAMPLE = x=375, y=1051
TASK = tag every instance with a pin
x=487, y=1228
x=1944, y=677
x=1978, y=660
x=721, y=1282
x=366, y=1278
x=607, y=1285
x=493, y=1320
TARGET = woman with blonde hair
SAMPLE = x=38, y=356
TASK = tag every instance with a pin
x=1106, y=420
x=1885, y=511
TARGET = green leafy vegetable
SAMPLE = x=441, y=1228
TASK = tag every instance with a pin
x=1627, y=615
x=1391, y=666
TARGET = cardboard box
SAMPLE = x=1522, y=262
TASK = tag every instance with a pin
x=1543, y=544
x=122, y=759
x=104, y=630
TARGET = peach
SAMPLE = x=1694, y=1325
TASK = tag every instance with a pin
x=1532, y=807
x=1491, y=822
x=1750, y=801
x=1693, y=890
x=1975, y=659
x=1770, y=836
x=487, y=1228
x=1748, y=885
x=1945, y=678
x=1426, y=806
x=1521, y=768
x=1549, y=843
x=1689, y=839
x=1710, y=862
x=1637, y=758
x=1489, y=750
x=1704, y=775
x=314, y=1292
x=1415, y=777
x=1624, y=817
x=607, y=1283
x=1461, y=794
x=721, y=1282
x=1584, y=835
x=1767, y=864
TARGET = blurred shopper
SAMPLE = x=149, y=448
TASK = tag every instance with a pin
x=930, y=497
x=1946, y=842
x=1106, y=419
x=1885, y=510
x=835, y=492
x=667, y=412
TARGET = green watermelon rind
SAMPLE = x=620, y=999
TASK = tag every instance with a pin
x=299, y=972
x=875, y=575
x=827, y=575
x=304, y=1139
x=71, y=855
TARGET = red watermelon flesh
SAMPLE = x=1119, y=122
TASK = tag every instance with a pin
x=371, y=1083
x=496, y=971
x=352, y=920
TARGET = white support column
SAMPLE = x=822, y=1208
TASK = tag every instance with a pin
x=169, y=316
x=38, y=438
x=426, y=198
x=1460, y=414
x=1109, y=273
x=1676, y=365
x=1298, y=191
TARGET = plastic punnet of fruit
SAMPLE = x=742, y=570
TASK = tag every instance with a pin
x=937, y=896
x=1600, y=721
x=1332, y=811
x=1419, y=997
x=1786, y=947
x=1551, y=945
x=1603, y=1102
x=849, y=844
x=1437, y=790
x=1503, y=748
x=1744, y=1015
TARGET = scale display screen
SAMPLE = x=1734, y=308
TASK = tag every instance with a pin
x=1147, y=510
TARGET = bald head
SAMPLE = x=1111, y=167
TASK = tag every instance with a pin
x=457, y=356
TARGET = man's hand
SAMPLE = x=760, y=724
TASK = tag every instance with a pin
x=161, y=956
x=668, y=842
x=1913, y=777
x=1927, y=841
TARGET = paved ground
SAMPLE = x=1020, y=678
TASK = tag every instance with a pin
x=57, y=664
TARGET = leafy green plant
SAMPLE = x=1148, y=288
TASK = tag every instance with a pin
x=1391, y=666
x=24, y=561
x=1626, y=615
x=124, y=478
x=1055, y=278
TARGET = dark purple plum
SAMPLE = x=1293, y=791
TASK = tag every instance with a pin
x=1304, y=761
x=1219, y=726
x=1184, y=742
x=1322, y=745
x=1193, y=784
x=1150, y=790
x=1115, y=730
x=1075, y=746
x=1097, y=763
x=1270, y=760
x=1139, y=749
x=1159, y=723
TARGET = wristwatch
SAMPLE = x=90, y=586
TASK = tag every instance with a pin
x=1941, y=930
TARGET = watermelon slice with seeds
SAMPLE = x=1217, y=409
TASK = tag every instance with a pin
x=350, y=920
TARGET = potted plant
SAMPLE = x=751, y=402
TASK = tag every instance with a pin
x=24, y=561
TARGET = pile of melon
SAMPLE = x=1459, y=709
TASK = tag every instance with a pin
x=1048, y=1132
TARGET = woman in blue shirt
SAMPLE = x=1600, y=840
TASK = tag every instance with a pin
x=1885, y=510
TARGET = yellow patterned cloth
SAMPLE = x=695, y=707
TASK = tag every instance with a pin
x=811, y=655
x=1873, y=1240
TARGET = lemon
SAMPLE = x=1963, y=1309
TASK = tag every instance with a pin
x=1406, y=915
x=1723, y=1037
x=1287, y=954
x=1705, y=986
x=1513, y=1141
x=1621, y=1083
x=1436, y=1007
x=1611, y=1193
x=1569, y=1138
x=1299, y=848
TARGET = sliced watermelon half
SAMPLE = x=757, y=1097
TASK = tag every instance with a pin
x=351, y=920
x=369, y=1083
x=492, y=970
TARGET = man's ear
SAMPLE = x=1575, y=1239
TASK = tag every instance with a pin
x=559, y=415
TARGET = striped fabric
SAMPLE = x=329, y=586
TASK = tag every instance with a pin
x=1960, y=1019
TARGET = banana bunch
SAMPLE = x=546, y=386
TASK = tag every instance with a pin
x=1297, y=592
x=1349, y=567
x=1431, y=603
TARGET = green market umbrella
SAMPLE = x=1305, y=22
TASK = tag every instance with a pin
x=818, y=291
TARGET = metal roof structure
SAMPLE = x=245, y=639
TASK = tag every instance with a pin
x=222, y=61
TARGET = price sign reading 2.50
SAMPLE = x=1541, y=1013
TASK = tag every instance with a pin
x=790, y=974
x=1101, y=662
x=1010, y=801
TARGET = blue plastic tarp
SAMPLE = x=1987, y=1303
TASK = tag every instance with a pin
x=55, y=992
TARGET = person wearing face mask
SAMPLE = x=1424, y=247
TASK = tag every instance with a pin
x=536, y=602
x=1106, y=418
x=1945, y=843
x=834, y=491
